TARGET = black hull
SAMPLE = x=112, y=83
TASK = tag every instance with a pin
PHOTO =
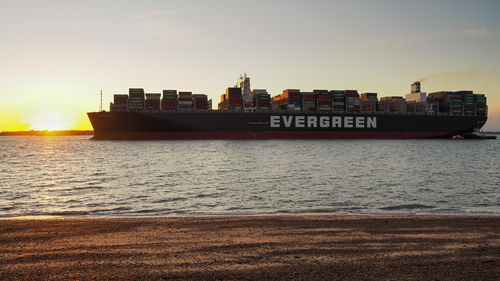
x=300, y=125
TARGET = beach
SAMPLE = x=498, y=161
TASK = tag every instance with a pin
x=252, y=248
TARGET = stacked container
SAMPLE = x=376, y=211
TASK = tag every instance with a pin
x=222, y=104
x=352, y=102
x=448, y=102
x=324, y=100
x=338, y=100
x=368, y=102
x=153, y=101
x=480, y=103
x=437, y=101
x=120, y=103
x=200, y=102
x=393, y=104
x=432, y=104
x=454, y=101
x=293, y=98
x=413, y=106
x=135, y=99
x=185, y=101
x=468, y=101
x=290, y=100
x=232, y=100
x=308, y=101
x=169, y=101
x=262, y=100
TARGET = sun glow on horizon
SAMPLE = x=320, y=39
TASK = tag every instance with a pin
x=49, y=120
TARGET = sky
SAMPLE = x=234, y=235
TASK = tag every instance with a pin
x=56, y=56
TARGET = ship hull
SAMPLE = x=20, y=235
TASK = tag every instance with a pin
x=274, y=125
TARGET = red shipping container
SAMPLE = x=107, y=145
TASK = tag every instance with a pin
x=152, y=104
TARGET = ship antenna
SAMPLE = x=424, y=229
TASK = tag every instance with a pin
x=100, y=106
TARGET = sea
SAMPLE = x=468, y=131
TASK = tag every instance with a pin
x=74, y=176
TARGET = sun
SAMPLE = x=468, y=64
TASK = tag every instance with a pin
x=49, y=121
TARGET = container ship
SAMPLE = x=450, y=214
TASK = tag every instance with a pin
x=244, y=113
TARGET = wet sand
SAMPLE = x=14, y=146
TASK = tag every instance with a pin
x=252, y=248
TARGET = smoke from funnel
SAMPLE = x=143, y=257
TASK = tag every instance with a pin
x=463, y=75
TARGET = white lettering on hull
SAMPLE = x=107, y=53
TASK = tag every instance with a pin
x=348, y=122
x=336, y=122
x=299, y=121
x=312, y=121
x=372, y=122
x=287, y=121
x=360, y=122
x=324, y=122
x=275, y=121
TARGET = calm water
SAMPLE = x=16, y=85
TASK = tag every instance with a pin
x=77, y=176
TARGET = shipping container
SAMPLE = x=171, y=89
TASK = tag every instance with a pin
x=153, y=96
x=415, y=107
x=392, y=104
x=185, y=96
x=120, y=99
x=136, y=104
x=169, y=94
x=324, y=100
x=352, y=101
x=320, y=92
x=118, y=107
x=368, y=102
x=153, y=101
x=169, y=104
x=136, y=93
x=288, y=97
x=200, y=102
x=152, y=104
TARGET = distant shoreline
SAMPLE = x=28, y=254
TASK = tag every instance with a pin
x=49, y=133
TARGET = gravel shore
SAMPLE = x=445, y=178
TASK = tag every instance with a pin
x=252, y=248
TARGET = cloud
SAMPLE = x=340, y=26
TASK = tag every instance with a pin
x=479, y=32
x=401, y=40
x=461, y=75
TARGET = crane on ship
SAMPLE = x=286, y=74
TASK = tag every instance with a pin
x=244, y=84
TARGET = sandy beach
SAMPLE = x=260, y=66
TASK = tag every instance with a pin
x=252, y=248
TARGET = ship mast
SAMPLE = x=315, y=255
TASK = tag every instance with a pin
x=100, y=106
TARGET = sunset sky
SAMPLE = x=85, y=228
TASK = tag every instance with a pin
x=56, y=55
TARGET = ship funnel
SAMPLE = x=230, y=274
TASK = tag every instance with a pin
x=415, y=87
